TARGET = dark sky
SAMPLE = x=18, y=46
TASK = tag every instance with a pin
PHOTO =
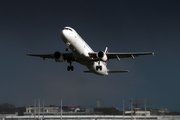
x=28, y=26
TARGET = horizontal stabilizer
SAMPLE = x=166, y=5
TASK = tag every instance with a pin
x=117, y=71
x=87, y=72
x=111, y=71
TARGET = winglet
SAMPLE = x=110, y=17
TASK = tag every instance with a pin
x=152, y=54
x=118, y=58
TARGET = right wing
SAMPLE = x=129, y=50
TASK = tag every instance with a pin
x=42, y=55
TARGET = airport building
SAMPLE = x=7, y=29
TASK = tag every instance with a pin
x=73, y=112
x=55, y=110
x=77, y=110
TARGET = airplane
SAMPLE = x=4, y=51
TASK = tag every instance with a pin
x=82, y=53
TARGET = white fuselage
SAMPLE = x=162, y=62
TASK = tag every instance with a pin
x=80, y=50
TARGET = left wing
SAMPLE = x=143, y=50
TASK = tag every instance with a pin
x=121, y=55
x=125, y=55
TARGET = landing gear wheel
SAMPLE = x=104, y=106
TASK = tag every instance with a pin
x=100, y=67
x=72, y=68
x=68, y=68
x=97, y=68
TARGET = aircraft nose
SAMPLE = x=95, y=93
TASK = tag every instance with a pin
x=64, y=32
x=64, y=35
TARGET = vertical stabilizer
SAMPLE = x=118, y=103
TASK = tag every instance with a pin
x=106, y=51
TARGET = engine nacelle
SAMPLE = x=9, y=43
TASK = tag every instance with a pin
x=58, y=57
x=102, y=56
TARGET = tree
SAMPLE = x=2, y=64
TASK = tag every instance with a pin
x=7, y=108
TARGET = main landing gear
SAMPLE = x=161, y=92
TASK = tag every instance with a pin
x=70, y=67
x=99, y=66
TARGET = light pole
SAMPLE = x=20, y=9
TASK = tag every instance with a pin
x=34, y=109
x=131, y=108
x=123, y=109
x=61, y=109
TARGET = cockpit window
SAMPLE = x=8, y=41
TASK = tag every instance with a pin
x=67, y=29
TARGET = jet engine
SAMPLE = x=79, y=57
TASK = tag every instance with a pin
x=102, y=56
x=58, y=57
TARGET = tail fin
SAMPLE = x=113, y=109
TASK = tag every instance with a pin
x=106, y=51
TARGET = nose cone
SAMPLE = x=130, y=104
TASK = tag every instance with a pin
x=63, y=32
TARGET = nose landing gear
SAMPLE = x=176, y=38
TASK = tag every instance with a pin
x=67, y=49
x=68, y=44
